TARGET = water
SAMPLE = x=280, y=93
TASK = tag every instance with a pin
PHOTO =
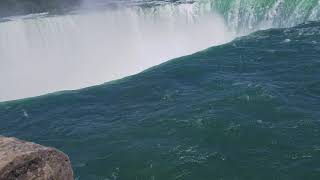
x=80, y=50
x=85, y=47
x=248, y=109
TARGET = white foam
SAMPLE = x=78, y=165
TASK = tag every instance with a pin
x=48, y=54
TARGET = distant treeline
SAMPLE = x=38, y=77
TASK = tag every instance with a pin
x=20, y=7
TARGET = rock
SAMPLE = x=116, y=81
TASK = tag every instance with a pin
x=21, y=160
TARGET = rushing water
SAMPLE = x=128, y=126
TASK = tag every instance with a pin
x=44, y=53
x=248, y=109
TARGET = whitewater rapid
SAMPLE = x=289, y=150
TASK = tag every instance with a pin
x=40, y=55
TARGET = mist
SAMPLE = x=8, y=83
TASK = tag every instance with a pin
x=22, y=7
x=48, y=54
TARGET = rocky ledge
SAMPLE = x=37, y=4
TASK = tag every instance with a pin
x=21, y=160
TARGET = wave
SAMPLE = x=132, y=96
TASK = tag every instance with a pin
x=46, y=53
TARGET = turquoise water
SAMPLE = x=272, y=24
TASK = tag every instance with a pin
x=248, y=109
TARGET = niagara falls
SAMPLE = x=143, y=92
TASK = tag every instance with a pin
x=160, y=89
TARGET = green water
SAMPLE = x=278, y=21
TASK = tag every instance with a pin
x=247, y=15
x=245, y=110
